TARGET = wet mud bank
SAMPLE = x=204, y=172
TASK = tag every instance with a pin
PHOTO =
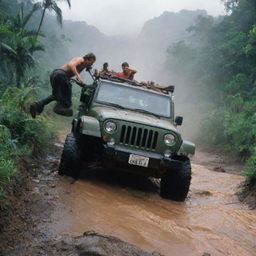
x=13, y=215
x=247, y=194
x=219, y=162
x=110, y=213
x=29, y=202
x=89, y=244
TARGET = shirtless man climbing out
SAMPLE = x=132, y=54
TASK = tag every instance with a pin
x=61, y=86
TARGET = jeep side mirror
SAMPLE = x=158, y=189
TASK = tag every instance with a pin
x=178, y=120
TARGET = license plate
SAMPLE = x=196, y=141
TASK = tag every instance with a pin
x=138, y=160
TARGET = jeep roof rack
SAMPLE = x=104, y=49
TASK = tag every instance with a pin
x=147, y=85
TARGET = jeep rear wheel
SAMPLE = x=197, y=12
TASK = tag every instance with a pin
x=70, y=162
x=175, y=184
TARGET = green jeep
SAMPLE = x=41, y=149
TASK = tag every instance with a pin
x=127, y=127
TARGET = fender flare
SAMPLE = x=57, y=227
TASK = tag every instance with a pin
x=88, y=125
x=187, y=148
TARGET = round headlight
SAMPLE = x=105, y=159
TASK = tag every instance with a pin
x=110, y=127
x=169, y=139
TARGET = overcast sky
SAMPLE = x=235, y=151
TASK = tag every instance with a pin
x=119, y=17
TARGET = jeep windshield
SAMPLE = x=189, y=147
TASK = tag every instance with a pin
x=132, y=98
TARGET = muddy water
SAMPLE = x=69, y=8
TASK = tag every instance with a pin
x=129, y=207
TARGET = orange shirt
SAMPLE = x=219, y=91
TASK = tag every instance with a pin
x=123, y=75
x=129, y=76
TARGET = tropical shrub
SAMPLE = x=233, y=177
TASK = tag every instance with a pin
x=21, y=137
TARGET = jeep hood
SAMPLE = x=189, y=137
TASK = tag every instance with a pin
x=109, y=112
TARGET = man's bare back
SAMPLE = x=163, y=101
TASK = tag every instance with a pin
x=76, y=66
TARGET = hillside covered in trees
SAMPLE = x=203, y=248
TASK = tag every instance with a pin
x=218, y=63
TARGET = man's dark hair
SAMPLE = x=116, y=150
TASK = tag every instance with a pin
x=125, y=64
x=89, y=56
x=105, y=64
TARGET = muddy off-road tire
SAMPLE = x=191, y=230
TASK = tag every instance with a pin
x=70, y=162
x=175, y=184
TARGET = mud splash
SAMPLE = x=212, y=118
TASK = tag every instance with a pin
x=129, y=207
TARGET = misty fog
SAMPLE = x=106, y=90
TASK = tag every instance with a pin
x=117, y=17
x=145, y=52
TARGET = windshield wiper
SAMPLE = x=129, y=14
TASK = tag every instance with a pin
x=144, y=111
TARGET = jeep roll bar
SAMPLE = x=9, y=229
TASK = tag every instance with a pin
x=82, y=85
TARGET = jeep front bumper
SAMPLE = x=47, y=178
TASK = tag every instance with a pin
x=117, y=157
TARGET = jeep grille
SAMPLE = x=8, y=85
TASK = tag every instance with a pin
x=138, y=137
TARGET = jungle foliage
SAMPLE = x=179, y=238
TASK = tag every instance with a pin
x=19, y=134
x=19, y=42
x=219, y=63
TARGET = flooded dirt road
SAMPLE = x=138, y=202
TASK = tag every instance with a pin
x=212, y=220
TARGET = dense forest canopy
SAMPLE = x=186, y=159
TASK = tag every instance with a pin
x=219, y=63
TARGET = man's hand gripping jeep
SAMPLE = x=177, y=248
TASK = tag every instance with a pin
x=128, y=127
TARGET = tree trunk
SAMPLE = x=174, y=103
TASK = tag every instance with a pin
x=41, y=22
x=18, y=78
x=19, y=74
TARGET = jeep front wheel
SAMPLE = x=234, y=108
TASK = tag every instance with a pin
x=70, y=162
x=175, y=184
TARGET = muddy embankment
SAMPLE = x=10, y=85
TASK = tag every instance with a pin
x=63, y=215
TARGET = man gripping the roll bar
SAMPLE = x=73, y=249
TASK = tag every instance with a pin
x=62, y=87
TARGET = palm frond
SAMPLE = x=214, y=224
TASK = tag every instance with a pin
x=57, y=11
x=5, y=31
x=29, y=33
x=69, y=3
x=33, y=45
x=30, y=60
x=38, y=48
x=47, y=3
x=21, y=13
x=8, y=49
x=36, y=7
